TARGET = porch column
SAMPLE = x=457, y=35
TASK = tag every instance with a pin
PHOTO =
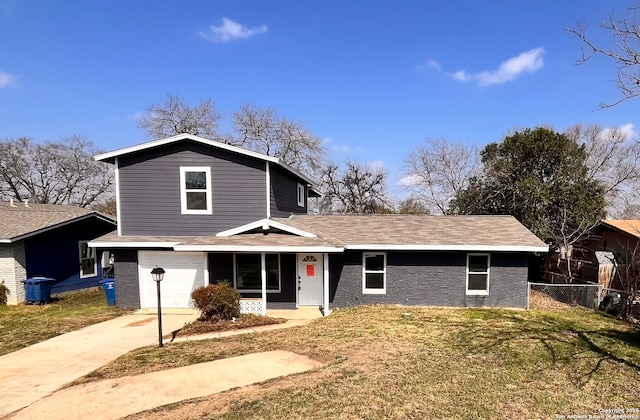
x=325, y=285
x=263, y=275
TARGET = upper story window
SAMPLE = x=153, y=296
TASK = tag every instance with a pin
x=301, y=195
x=478, y=274
x=374, y=273
x=195, y=190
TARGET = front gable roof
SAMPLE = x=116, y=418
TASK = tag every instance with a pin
x=19, y=220
x=110, y=157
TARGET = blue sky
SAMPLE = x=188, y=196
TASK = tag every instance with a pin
x=373, y=79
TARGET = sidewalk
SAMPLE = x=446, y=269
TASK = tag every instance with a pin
x=36, y=371
x=116, y=398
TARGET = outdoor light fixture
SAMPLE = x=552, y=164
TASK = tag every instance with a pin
x=157, y=274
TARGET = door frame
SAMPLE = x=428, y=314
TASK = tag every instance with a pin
x=319, y=273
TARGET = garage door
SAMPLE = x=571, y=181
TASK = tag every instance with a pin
x=184, y=272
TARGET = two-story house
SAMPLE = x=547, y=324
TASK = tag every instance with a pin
x=208, y=212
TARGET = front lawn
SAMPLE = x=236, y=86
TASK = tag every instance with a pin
x=24, y=325
x=399, y=362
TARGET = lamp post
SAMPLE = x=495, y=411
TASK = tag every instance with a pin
x=158, y=274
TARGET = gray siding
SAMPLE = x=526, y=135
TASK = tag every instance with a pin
x=149, y=184
x=430, y=278
x=284, y=194
x=126, y=278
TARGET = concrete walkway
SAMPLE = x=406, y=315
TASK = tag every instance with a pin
x=116, y=398
x=35, y=372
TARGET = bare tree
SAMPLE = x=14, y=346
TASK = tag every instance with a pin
x=355, y=189
x=54, y=172
x=613, y=158
x=438, y=170
x=412, y=205
x=174, y=116
x=625, y=51
x=262, y=130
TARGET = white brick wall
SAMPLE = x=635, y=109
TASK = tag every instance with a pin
x=13, y=271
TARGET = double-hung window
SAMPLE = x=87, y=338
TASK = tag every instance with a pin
x=374, y=273
x=195, y=190
x=87, y=256
x=248, y=272
x=301, y=195
x=478, y=274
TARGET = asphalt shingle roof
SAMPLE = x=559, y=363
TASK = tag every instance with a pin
x=22, y=220
x=384, y=231
x=400, y=229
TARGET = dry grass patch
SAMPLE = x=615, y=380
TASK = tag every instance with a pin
x=436, y=363
x=24, y=325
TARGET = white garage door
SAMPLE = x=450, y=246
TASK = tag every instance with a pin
x=184, y=272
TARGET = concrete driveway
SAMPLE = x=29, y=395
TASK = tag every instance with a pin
x=34, y=372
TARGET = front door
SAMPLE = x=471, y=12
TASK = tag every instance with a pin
x=310, y=279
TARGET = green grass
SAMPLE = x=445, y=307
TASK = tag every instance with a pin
x=24, y=325
x=436, y=363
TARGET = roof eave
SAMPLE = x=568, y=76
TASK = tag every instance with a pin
x=471, y=248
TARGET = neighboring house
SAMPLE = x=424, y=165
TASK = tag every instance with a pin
x=45, y=240
x=610, y=242
x=208, y=212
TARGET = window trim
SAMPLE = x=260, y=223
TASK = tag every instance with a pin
x=184, y=190
x=488, y=273
x=80, y=259
x=371, y=291
x=300, y=195
x=235, y=274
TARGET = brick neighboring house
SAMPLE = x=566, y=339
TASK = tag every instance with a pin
x=207, y=212
x=43, y=240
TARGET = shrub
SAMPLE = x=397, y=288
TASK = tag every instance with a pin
x=217, y=302
x=4, y=293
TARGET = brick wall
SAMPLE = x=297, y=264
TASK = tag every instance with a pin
x=13, y=271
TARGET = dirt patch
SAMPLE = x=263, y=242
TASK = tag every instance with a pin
x=141, y=322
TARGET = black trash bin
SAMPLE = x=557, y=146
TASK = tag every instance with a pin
x=109, y=287
x=38, y=290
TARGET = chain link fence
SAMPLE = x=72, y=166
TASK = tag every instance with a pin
x=545, y=296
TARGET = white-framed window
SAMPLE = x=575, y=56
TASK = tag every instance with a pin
x=195, y=190
x=374, y=273
x=301, y=197
x=247, y=275
x=87, y=257
x=478, y=266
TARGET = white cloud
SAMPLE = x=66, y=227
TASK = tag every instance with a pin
x=136, y=116
x=527, y=62
x=230, y=30
x=431, y=64
x=627, y=131
x=5, y=79
x=409, y=180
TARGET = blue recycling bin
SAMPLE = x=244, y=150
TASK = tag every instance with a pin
x=38, y=290
x=109, y=287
